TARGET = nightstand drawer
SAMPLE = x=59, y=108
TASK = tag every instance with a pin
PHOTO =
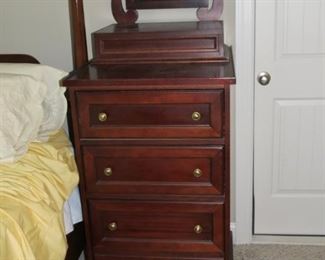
x=148, y=228
x=151, y=114
x=179, y=170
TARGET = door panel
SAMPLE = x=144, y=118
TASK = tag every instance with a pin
x=289, y=163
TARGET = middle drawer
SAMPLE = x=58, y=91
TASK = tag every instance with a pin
x=176, y=170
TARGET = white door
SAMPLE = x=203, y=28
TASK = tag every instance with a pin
x=289, y=149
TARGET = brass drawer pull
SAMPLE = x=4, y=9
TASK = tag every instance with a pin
x=108, y=172
x=197, y=173
x=112, y=226
x=196, y=116
x=102, y=117
x=198, y=229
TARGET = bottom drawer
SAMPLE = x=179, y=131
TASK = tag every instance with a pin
x=157, y=229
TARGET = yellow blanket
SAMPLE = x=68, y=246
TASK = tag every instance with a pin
x=32, y=194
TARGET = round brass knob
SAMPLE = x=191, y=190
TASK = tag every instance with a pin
x=112, y=226
x=198, y=229
x=197, y=173
x=108, y=172
x=196, y=116
x=102, y=117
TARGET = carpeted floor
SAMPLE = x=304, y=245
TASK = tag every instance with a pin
x=279, y=252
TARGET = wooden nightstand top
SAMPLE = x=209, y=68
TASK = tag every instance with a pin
x=157, y=75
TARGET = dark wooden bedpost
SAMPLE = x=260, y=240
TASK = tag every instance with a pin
x=78, y=33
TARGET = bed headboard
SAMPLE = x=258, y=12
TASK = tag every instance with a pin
x=130, y=16
x=17, y=58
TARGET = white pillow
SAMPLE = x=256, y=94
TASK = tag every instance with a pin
x=54, y=105
x=21, y=115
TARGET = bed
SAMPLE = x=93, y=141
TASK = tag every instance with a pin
x=33, y=221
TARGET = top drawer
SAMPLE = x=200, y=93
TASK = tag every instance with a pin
x=150, y=114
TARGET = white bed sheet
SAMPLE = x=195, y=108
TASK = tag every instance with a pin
x=72, y=211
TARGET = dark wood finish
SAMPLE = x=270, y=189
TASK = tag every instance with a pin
x=149, y=79
x=154, y=76
x=153, y=228
x=17, y=58
x=212, y=14
x=121, y=16
x=154, y=170
x=227, y=183
x=75, y=239
x=160, y=4
x=151, y=142
x=78, y=33
x=95, y=151
x=116, y=257
x=134, y=114
x=130, y=16
x=160, y=42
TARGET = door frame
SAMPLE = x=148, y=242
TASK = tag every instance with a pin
x=243, y=166
x=244, y=120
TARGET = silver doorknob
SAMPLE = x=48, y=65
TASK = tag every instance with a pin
x=264, y=78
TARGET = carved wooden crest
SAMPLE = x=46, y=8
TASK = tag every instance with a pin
x=130, y=15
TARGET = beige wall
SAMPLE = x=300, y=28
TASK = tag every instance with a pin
x=41, y=27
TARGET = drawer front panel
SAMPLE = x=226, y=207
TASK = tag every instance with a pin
x=198, y=48
x=154, y=170
x=157, y=228
x=136, y=46
x=146, y=114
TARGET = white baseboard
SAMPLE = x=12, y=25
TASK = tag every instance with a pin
x=233, y=230
x=289, y=240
